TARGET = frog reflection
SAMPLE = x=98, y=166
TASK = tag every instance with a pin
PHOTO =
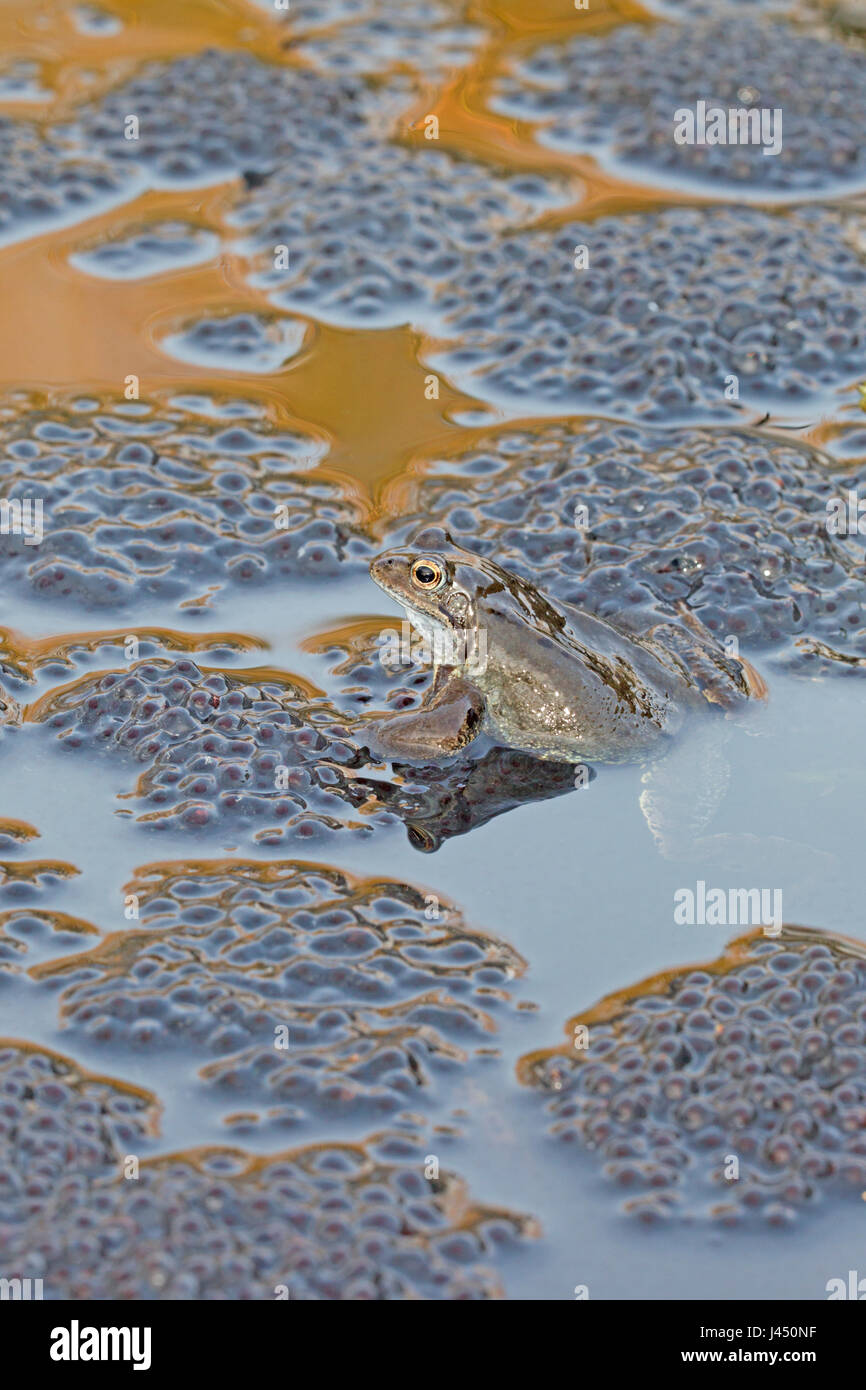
x=438, y=802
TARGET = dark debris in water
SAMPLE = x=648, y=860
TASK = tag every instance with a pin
x=758, y=1057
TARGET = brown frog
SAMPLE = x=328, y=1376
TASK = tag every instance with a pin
x=542, y=676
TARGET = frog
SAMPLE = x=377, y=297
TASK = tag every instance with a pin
x=518, y=669
x=539, y=675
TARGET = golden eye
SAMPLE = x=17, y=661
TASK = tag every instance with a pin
x=427, y=574
x=421, y=839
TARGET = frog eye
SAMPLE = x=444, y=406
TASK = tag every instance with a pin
x=428, y=574
x=421, y=839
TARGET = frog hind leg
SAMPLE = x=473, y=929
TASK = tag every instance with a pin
x=709, y=672
x=449, y=718
x=721, y=679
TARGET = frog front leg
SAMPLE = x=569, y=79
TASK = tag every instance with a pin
x=449, y=718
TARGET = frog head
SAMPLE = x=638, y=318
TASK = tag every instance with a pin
x=437, y=583
x=444, y=588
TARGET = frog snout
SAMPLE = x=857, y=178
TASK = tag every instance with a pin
x=386, y=570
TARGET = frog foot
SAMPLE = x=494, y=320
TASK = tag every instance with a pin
x=448, y=719
x=721, y=679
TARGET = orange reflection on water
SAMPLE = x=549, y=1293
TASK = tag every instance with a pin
x=76, y=64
